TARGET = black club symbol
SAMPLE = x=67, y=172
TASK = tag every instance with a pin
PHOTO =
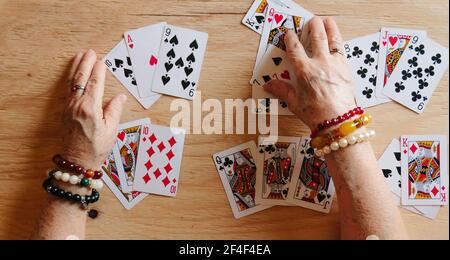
x=270, y=149
x=368, y=93
x=420, y=50
x=369, y=60
x=430, y=71
x=406, y=74
x=375, y=47
x=227, y=162
x=416, y=96
x=362, y=72
x=418, y=73
x=373, y=80
x=423, y=83
x=413, y=62
x=357, y=52
x=437, y=59
x=399, y=87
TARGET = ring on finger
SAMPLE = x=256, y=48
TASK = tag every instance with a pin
x=337, y=50
x=78, y=88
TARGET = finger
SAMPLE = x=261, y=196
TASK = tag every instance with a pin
x=333, y=34
x=96, y=84
x=282, y=90
x=113, y=110
x=75, y=63
x=318, y=37
x=295, y=50
x=83, y=71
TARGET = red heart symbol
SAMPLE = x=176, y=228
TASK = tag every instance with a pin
x=286, y=75
x=384, y=43
x=393, y=40
x=121, y=136
x=270, y=20
x=131, y=46
x=153, y=61
x=278, y=18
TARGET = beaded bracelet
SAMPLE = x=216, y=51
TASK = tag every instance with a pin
x=75, y=180
x=76, y=169
x=345, y=142
x=76, y=198
x=345, y=129
x=338, y=120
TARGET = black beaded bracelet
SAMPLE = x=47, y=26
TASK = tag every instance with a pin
x=76, y=198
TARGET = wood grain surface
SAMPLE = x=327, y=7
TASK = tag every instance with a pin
x=39, y=37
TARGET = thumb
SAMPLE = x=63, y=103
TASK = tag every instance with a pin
x=282, y=90
x=113, y=110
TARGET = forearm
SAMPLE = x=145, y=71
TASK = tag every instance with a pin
x=365, y=201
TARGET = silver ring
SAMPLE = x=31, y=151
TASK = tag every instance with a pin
x=78, y=88
x=336, y=50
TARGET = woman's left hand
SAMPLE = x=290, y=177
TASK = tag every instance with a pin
x=89, y=128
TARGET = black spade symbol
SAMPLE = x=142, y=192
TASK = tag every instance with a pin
x=185, y=84
x=165, y=79
x=387, y=173
x=320, y=197
x=191, y=58
x=118, y=63
x=171, y=54
x=267, y=78
x=168, y=66
x=179, y=63
x=259, y=19
x=174, y=40
x=398, y=156
x=188, y=70
x=193, y=45
x=277, y=60
x=127, y=72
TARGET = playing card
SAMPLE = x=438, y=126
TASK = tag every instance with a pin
x=119, y=63
x=275, y=166
x=274, y=65
x=126, y=149
x=159, y=160
x=237, y=171
x=143, y=46
x=393, y=43
x=424, y=170
x=312, y=186
x=422, y=67
x=111, y=179
x=362, y=55
x=181, y=57
x=391, y=167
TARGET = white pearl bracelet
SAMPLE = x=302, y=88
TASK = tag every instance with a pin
x=345, y=142
x=75, y=180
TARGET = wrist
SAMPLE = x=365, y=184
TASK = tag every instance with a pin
x=83, y=161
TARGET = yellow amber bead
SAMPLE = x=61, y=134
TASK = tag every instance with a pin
x=318, y=142
x=347, y=128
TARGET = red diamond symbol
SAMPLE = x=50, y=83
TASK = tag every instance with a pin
x=152, y=138
x=157, y=173
x=146, y=178
x=144, y=139
x=150, y=152
x=161, y=146
x=174, y=180
x=170, y=155
x=405, y=152
x=172, y=141
x=413, y=148
x=168, y=168
x=435, y=191
x=148, y=165
x=443, y=188
x=166, y=181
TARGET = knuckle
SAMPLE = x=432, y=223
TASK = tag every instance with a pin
x=318, y=36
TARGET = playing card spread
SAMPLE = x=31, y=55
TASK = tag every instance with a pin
x=119, y=63
x=111, y=179
x=422, y=67
x=274, y=65
x=181, y=57
x=159, y=160
x=237, y=171
x=126, y=149
x=362, y=56
x=143, y=46
x=275, y=166
x=424, y=170
x=312, y=186
x=393, y=43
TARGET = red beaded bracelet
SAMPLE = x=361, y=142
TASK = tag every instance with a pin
x=336, y=121
x=76, y=169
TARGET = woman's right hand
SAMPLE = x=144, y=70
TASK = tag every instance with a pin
x=325, y=88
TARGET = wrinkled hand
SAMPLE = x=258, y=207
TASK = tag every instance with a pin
x=89, y=128
x=325, y=86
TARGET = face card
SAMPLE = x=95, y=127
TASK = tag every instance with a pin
x=419, y=71
x=274, y=65
x=119, y=63
x=393, y=43
x=126, y=149
x=159, y=160
x=143, y=46
x=111, y=179
x=237, y=171
x=275, y=167
x=424, y=170
x=362, y=55
x=312, y=186
x=181, y=57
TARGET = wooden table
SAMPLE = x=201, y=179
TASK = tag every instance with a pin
x=37, y=39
